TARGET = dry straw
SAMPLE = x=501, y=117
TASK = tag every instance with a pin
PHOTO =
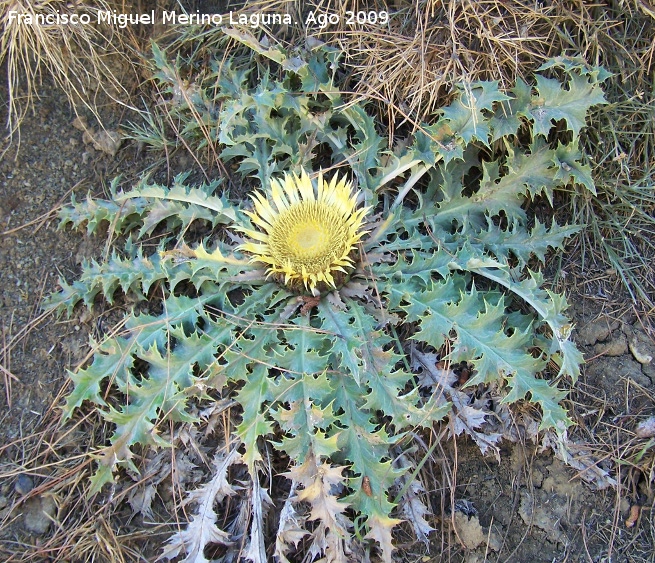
x=80, y=59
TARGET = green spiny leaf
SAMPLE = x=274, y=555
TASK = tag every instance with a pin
x=308, y=417
x=554, y=103
x=506, y=120
x=202, y=197
x=69, y=296
x=95, y=212
x=465, y=115
x=569, y=167
x=256, y=423
x=347, y=340
x=304, y=351
x=523, y=244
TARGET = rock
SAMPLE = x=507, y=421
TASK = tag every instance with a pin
x=642, y=346
x=649, y=372
x=470, y=531
x=646, y=428
x=24, y=484
x=106, y=141
x=535, y=513
x=615, y=347
x=608, y=374
x=39, y=513
x=640, y=351
x=80, y=123
x=595, y=331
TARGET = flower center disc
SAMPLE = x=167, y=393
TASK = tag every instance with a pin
x=308, y=235
x=309, y=239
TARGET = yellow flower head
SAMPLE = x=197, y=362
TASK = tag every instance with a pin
x=305, y=234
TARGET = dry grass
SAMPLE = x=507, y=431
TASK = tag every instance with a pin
x=78, y=58
x=434, y=44
x=58, y=461
x=614, y=442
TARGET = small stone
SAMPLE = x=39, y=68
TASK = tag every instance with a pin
x=80, y=123
x=595, y=331
x=473, y=535
x=24, y=484
x=615, y=347
x=639, y=352
x=105, y=141
x=646, y=428
x=38, y=514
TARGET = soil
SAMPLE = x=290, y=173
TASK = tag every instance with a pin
x=528, y=507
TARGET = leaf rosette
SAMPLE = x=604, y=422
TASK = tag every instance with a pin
x=300, y=321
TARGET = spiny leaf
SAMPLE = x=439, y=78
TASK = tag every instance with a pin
x=202, y=196
x=465, y=116
x=291, y=527
x=201, y=530
x=114, y=359
x=554, y=103
x=304, y=351
x=347, y=340
x=522, y=244
x=550, y=308
x=135, y=274
x=365, y=447
x=87, y=383
x=482, y=340
x=256, y=549
x=308, y=417
x=162, y=392
x=69, y=296
x=96, y=212
x=318, y=481
x=253, y=397
x=321, y=482
x=567, y=161
x=175, y=214
x=577, y=65
x=415, y=264
x=530, y=173
x=506, y=119
x=380, y=531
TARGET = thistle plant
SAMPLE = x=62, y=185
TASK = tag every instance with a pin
x=332, y=306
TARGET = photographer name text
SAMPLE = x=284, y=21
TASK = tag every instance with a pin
x=253, y=20
x=123, y=20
